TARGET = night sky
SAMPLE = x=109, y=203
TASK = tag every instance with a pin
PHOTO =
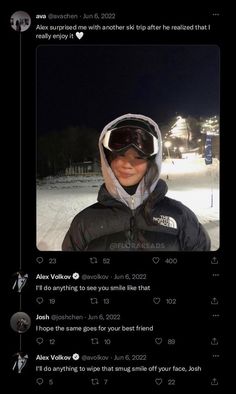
x=91, y=85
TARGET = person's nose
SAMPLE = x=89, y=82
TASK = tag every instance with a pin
x=127, y=162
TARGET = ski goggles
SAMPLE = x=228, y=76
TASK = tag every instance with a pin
x=122, y=137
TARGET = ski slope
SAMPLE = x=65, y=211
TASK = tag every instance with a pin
x=189, y=180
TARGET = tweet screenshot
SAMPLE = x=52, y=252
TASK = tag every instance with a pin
x=116, y=274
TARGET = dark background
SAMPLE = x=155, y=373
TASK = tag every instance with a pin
x=90, y=85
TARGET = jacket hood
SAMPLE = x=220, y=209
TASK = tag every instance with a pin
x=112, y=184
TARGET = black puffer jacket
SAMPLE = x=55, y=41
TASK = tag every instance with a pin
x=110, y=225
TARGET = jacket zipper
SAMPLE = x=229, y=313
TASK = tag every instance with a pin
x=132, y=203
x=132, y=219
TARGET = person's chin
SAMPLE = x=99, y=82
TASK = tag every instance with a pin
x=127, y=181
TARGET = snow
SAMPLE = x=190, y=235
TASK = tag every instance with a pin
x=189, y=180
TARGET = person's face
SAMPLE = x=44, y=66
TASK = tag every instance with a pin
x=129, y=168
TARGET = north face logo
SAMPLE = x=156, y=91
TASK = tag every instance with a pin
x=166, y=221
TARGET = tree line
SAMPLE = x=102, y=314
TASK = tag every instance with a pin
x=57, y=150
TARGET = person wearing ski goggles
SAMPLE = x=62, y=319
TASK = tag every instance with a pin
x=120, y=138
x=133, y=212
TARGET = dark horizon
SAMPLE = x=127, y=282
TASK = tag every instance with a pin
x=91, y=85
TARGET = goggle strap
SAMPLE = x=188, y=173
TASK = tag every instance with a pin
x=106, y=140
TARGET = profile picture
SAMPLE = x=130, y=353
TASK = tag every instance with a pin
x=20, y=21
x=18, y=281
x=20, y=322
x=19, y=361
